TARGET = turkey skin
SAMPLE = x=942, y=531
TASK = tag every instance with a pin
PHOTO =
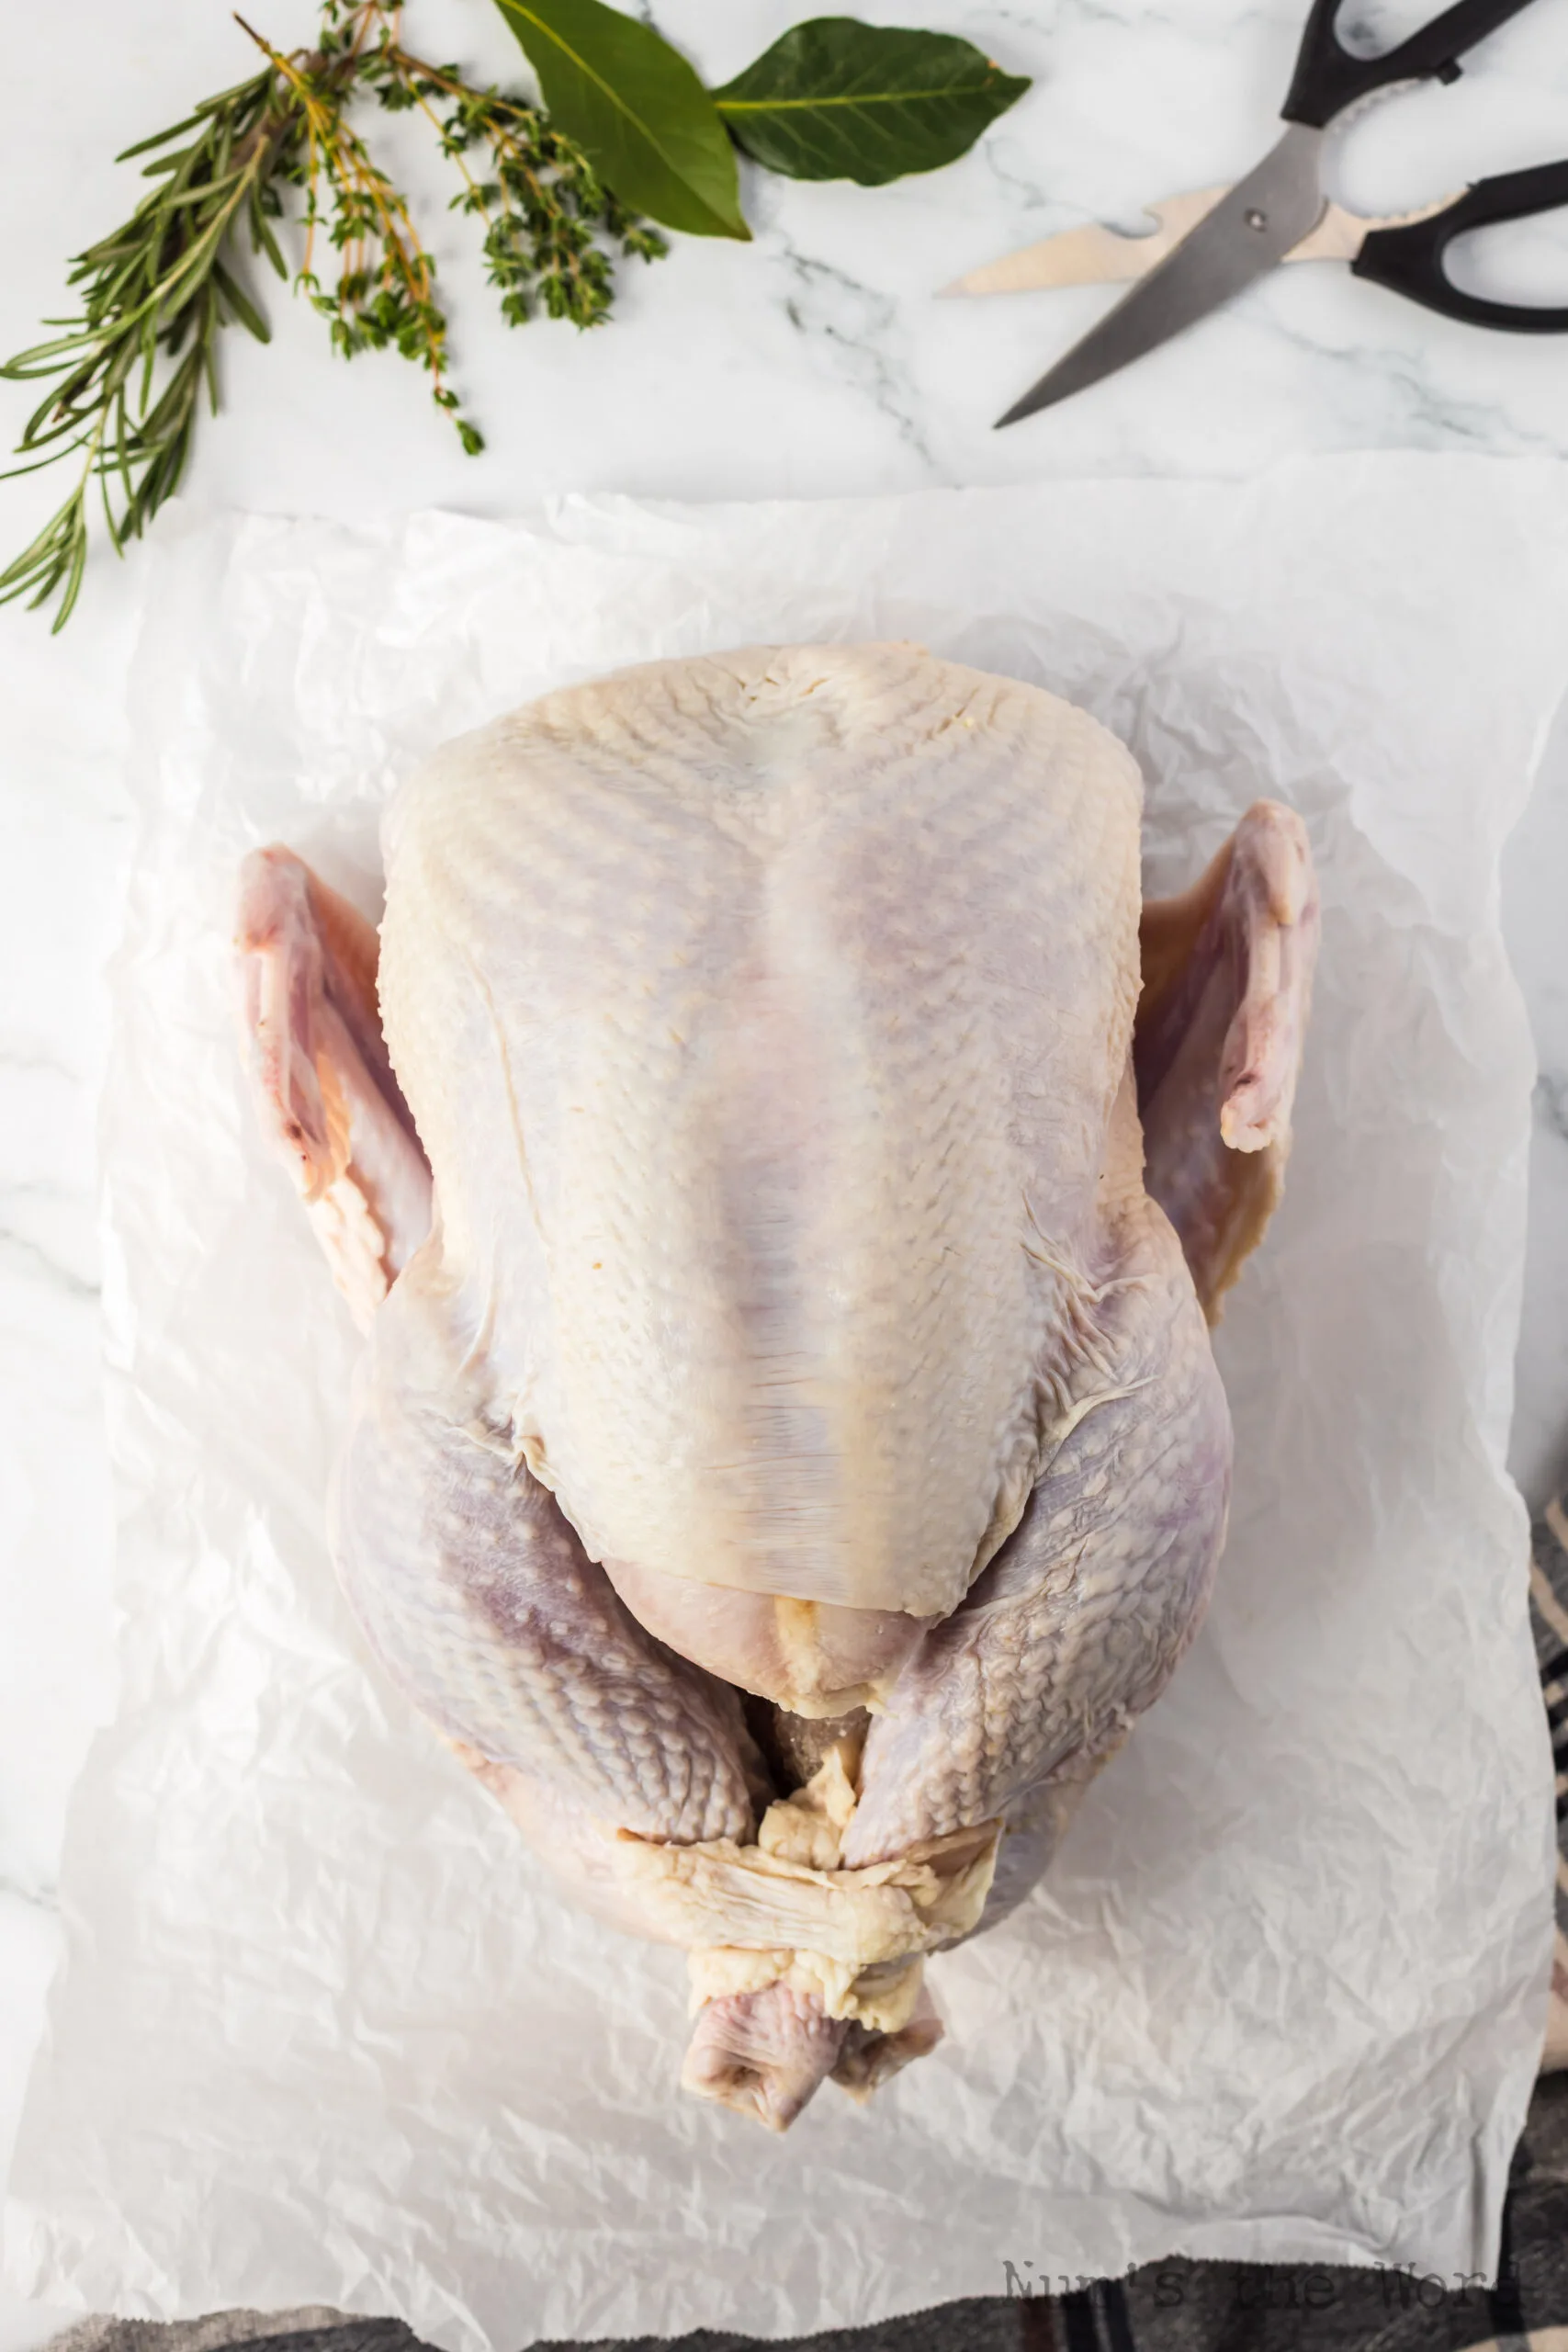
x=786, y=1173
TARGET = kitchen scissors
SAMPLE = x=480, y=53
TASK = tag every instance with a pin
x=1208, y=244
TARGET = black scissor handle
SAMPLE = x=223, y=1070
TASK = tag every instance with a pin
x=1409, y=260
x=1328, y=78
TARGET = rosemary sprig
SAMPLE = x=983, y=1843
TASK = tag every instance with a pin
x=159, y=282
x=126, y=376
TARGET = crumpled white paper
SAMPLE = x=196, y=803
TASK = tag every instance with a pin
x=325, y=2034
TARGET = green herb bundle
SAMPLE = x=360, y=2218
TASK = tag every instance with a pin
x=560, y=190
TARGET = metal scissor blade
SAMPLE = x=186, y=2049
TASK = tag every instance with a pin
x=1093, y=256
x=1252, y=226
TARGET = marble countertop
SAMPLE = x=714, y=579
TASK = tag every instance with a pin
x=814, y=361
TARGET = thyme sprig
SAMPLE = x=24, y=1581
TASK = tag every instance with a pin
x=126, y=376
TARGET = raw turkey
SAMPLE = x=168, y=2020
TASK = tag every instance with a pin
x=786, y=1175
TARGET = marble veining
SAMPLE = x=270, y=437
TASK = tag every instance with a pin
x=815, y=361
x=854, y=327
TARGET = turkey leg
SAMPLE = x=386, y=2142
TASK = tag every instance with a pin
x=477, y=1595
x=1009, y=1707
x=479, y=1598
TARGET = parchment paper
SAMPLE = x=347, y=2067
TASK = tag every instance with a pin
x=324, y=2035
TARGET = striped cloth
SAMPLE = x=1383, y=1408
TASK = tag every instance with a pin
x=1549, y=1613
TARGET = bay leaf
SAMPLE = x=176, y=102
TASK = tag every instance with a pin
x=835, y=99
x=638, y=110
